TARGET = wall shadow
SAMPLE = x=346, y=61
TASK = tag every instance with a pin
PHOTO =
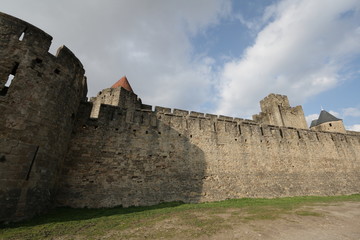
x=65, y=214
x=130, y=159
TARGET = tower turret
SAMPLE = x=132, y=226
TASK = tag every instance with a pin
x=119, y=94
x=37, y=113
x=327, y=122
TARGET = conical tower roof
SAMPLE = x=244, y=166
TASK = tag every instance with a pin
x=323, y=118
x=124, y=83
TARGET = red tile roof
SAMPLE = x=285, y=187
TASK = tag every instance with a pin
x=124, y=83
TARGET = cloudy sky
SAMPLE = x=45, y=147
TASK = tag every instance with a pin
x=216, y=56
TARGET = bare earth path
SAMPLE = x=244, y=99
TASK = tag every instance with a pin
x=340, y=221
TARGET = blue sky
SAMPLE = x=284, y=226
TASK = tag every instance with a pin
x=216, y=56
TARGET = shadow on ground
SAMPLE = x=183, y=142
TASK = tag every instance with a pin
x=65, y=214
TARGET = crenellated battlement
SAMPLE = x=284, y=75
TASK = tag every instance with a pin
x=113, y=117
x=24, y=48
x=276, y=110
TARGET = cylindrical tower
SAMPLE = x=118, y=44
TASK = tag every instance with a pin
x=39, y=98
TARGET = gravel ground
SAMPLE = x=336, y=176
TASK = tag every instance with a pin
x=339, y=221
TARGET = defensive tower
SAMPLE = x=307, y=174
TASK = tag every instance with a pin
x=120, y=94
x=38, y=110
x=276, y=110
x=327, y=122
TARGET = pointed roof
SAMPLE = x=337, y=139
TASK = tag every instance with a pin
x=124, y=83
x=323, y=118
x=313, y=123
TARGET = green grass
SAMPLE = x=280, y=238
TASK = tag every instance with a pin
x=165, y=220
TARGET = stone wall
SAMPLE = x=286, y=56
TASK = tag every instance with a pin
x=143, y=157
x=38, y=110
x=333, y=126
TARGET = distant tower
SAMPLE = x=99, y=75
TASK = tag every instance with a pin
x=120, y=94
x=327, y=122
x=276, y=110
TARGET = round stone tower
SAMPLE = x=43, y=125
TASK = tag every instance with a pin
x=39, y=98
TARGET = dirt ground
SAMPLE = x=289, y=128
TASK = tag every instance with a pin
x=339, y=221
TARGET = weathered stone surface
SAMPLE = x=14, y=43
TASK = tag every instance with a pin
x=37, y=113
x=126, y=162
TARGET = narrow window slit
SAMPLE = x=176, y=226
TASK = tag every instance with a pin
x=32, y=163
x=281, y=133
x=9, y=80
x=262, y=131
x=298, y=133
x=22, y=36
x=14, y=69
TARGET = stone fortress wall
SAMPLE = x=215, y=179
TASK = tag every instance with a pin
x=57, y=149
x=144, y=157
x=37, y=113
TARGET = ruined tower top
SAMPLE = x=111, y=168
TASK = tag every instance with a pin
x=276, y=110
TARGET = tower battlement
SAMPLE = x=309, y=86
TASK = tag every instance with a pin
x=276, y=110
x=24, y=46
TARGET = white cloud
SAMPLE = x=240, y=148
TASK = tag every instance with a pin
x=310, y=118
x=299, y=53
x=250, y=24
x=355, y=127
x=149, y=41
x=336, y=114
x=351, y=112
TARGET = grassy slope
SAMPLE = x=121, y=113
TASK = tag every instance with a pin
x=160, y=221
